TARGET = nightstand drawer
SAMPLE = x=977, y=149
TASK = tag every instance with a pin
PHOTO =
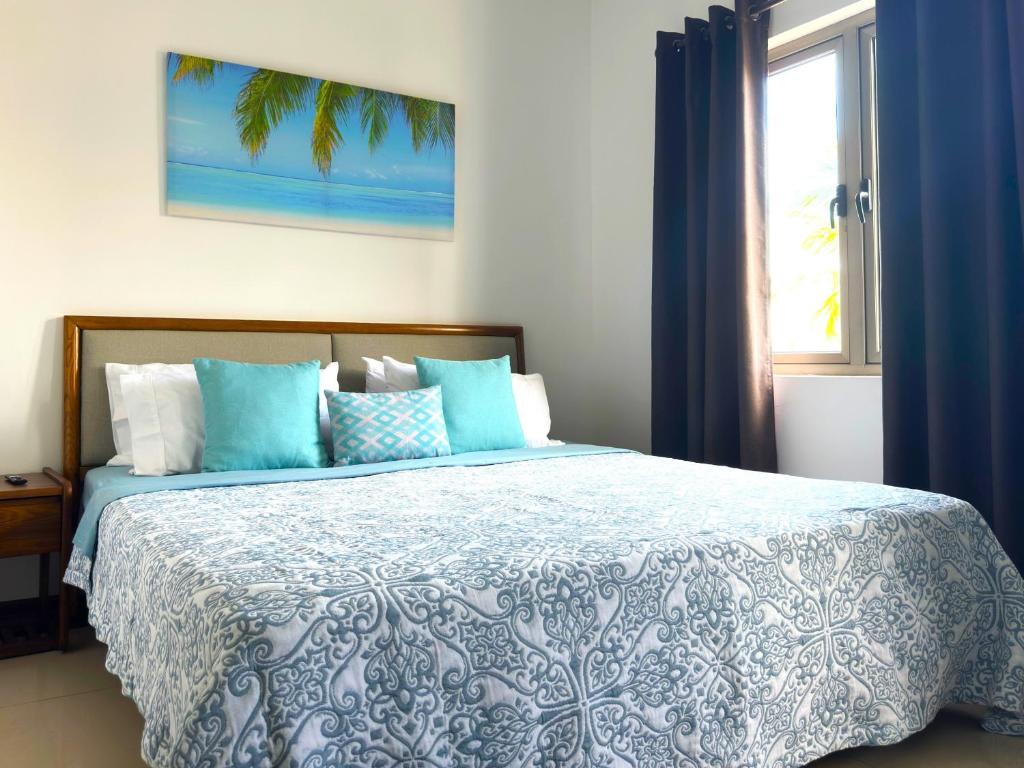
x=29, y=526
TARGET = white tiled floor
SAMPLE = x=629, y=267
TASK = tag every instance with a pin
x=66, y=711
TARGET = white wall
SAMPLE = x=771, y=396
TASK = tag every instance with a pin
x=830, y=426
x=81, y=156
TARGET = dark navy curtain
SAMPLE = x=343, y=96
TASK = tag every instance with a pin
x=951, y=161
x=711, y=370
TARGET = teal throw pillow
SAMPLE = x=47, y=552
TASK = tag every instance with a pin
x=260, y=416
x=479, y=407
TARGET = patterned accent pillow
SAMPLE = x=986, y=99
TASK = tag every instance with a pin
x=367, y=428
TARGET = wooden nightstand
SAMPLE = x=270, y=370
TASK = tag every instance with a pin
x=35, y=519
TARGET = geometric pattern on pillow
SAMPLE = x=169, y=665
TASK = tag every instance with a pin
x=367, y=428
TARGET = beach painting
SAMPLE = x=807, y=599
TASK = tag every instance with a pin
x=257, y=145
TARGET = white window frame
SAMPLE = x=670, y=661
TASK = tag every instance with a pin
x=852, y=40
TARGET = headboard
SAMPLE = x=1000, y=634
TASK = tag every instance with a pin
x=91, y=342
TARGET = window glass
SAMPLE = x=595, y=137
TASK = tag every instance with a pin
x=803, y=172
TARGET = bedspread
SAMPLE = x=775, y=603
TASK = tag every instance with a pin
x=580, y=611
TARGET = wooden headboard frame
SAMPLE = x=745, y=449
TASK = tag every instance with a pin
x=75, y=324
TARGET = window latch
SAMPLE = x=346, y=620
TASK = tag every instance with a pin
x=837, y=205
x=863, y=200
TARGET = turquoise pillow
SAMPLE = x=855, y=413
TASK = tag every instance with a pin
x=260, y=416
x=387, y=426
x=479, y=407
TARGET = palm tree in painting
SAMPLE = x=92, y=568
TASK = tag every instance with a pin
x=268, y=96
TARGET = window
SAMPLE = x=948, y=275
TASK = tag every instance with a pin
x=823, y=203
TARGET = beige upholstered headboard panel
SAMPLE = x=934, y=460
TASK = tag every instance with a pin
x=92, y=342
x=102, y=347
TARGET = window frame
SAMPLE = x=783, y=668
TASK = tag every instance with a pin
x=869, y=130
x=852, y=40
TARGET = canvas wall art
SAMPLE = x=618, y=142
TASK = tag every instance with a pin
x=258, y=145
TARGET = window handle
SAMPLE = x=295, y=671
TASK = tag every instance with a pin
x=837, y=205
x=863, y=200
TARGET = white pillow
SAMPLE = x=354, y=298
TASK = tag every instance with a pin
x=401, y=377
x=165, y=416
x=534, y=412
x=118, y=415
x=375, y=377
x=528, y=390
x=329, y=383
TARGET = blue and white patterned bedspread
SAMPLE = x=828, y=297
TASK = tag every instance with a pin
x=590, y=611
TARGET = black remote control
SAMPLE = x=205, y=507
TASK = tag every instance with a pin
x=15, y=479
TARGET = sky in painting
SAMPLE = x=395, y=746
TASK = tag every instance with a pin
x=201, y=131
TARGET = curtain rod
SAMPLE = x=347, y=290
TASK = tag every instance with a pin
x=764, y=6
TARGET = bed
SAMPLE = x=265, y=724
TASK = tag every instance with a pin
x=572, y=605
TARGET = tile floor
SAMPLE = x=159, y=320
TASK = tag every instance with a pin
x=66, y=711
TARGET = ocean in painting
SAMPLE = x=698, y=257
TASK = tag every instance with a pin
x=268, y=147
x=221, y=193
